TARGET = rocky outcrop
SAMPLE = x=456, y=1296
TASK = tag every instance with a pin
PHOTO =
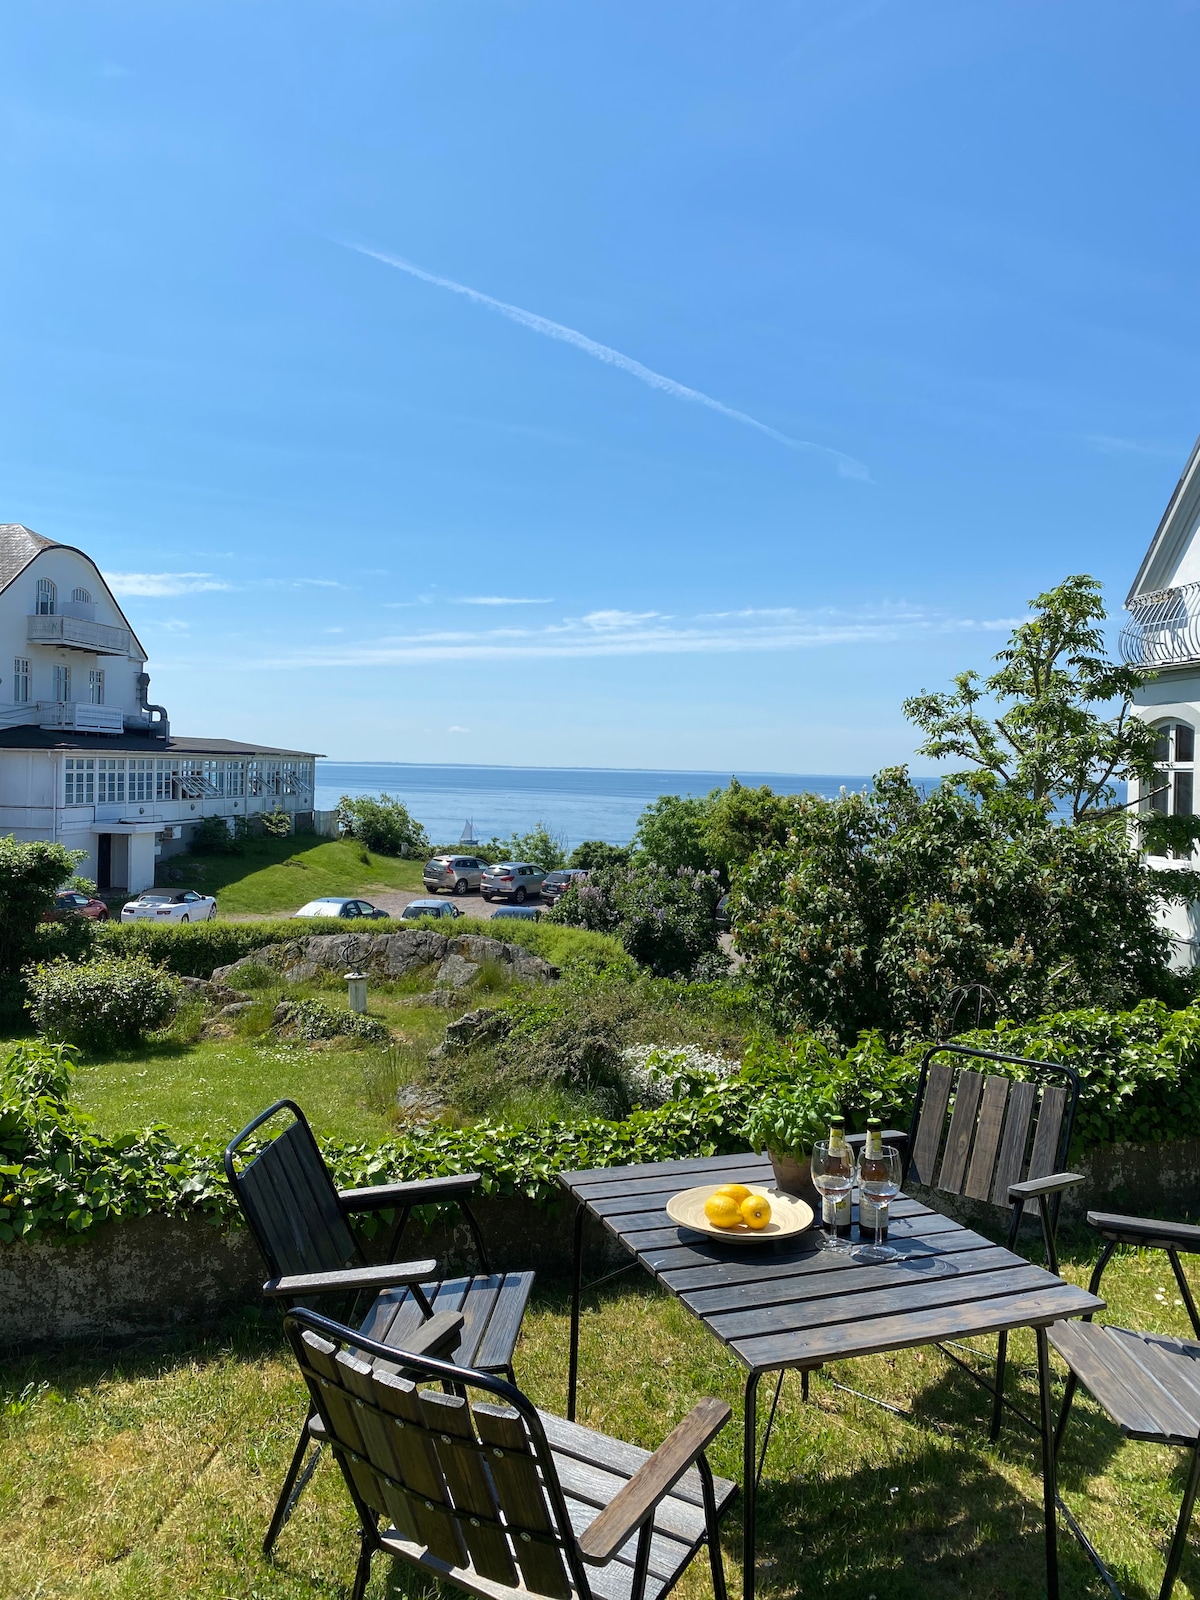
x=393, y=955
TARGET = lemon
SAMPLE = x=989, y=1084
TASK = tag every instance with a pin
x=756, y=1211
x=722, y=1210
x=735, y=1191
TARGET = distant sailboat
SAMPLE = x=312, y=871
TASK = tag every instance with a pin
x=468, y=833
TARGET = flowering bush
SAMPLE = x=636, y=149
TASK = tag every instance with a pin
x=315, y=1019
x=664, y=919
x=657, y=1073
x=108, y=1001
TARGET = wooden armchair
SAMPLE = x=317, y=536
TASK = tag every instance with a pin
x=476, y=1487
x=1148, y=1384
x=990, y=1138
x=301, y=1224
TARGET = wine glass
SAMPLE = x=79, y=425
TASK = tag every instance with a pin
x=833, y=1174
x=879, y=1181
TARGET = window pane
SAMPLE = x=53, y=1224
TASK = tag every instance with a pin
x=1183, y=794
x=1185, y=742
x=1162, y=750
x=1161, y=794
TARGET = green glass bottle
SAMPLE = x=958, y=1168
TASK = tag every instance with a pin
x=871, y=1166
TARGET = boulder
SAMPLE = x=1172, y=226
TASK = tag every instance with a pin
x=456, y=972
x=393, y=955
x=483, y=1025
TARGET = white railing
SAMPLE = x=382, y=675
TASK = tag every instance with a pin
x=76, y=633
x=1164, y=628
x=80, y=717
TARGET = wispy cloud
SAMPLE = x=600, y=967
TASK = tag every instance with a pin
x=648, y=633
x=456, y=729
x=499, y=600
x=847, y=466
x=159, y=585
x=1111, y=445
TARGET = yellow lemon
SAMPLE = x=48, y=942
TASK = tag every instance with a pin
x=756, y=1211
x=722, y=1211
x=735, y=1191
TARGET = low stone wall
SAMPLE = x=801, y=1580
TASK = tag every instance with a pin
x=154, y=1273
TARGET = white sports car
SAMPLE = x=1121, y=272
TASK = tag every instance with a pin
x=166, y=905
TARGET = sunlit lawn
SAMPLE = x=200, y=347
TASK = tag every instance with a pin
x=276, y=876
x=150, y=1471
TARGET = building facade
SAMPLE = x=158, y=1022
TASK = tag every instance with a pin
x=86, y=759
x=1162, y=636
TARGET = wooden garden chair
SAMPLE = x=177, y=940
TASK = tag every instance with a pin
x=469, y=1482
x=1148, y=1384
x=986, y=1137
x=301, y=1224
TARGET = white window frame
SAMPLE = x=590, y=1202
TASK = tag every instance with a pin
x=96, y=686
x=110, y=781
x=20, y=680
x=81, y=597
x=79, y=781
x=47, y=597
x=62, y=683
x=139, y=780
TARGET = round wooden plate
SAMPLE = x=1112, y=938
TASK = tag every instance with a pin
x=788, y=1215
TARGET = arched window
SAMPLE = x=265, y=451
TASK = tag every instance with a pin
x=82, y=596
x=46, y=595
x=1172, y=793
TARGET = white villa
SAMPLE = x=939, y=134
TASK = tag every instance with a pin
x=85, y=758
x=1163, y=634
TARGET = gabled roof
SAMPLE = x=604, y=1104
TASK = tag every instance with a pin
x=18, y=546
x=1173, y=534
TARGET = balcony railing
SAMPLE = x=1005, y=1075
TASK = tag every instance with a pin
x=1163, y=629
x=77, y=633
x=80, y=717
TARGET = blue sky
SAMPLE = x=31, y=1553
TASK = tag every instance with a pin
x=804, y=343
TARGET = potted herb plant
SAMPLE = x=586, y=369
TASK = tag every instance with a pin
x=786, y=1122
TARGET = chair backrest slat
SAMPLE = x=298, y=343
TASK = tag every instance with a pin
x=1044, y=1158
x=962, y=1127
x=987, y=1138
x=933, y=1118
x=463, y=1479
x=1021, y=1099
x=290, y=1202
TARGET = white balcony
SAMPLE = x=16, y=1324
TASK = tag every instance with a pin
x=78, y=633
x=78, y=717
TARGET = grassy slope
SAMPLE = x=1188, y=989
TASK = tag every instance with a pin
x=279, y=875
x=162, y=1459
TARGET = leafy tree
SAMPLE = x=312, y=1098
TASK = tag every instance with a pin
x=664, y=919
x=382, y=824
x=885, y=910
x=30, y=872
x=671, y=833
x=741, y=821
x=539, y=846
x=593, y=853
x=1054, y=722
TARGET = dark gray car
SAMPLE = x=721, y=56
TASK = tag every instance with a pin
x=557, y=883
x=513, y=880
x=456, y=873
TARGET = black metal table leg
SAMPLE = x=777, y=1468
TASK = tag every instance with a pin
x=1049, y=1486
x=749, y=1484
x=576, y=1291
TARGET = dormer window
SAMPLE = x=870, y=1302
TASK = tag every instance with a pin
x=1172, y=793
x=81, y=597
x=47, y=594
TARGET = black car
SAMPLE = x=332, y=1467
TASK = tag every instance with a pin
x=557, y=883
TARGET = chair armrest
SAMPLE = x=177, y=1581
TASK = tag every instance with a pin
x=421, y=1192
x=653, y=1481
x=1148, y=1232
x=1033, y=1187
x=385, y=1277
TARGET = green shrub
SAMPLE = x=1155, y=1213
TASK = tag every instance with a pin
x=665, y=920
x=382, y=823
x=30, y=872
x=593, y=853
x=276, y=824
x=315, y=1019
x=211, y=837
x=195, y=950
x=108, y=1001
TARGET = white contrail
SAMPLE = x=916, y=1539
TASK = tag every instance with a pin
x=847, y=465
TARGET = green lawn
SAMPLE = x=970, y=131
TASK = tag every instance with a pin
x=276, y=876
x=148, y=1472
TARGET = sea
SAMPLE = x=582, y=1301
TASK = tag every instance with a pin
x=575, y=802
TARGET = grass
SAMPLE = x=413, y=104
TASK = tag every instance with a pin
x=276, y=876
x=150, y=1470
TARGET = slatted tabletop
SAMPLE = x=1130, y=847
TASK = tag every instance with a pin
x=793, y=1305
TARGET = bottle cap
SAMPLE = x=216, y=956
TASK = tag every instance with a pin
x=837, y=1122
x=873, y=1123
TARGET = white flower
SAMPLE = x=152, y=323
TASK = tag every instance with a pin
x=654, y=1073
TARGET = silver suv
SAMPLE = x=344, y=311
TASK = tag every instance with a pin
x=458, y=873
x=513, y=880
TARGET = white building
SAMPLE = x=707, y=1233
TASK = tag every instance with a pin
x=85, y=758
x=1163, y=634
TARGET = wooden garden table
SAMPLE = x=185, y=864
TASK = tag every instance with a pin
x=792, y=1305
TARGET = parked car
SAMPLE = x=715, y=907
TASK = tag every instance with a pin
x=518, y=913
x=557, y=883
x=70, y=903
x=721, y=915
x=167, y=905
x=512, y=880
x=336, y=905
x=430, y=908
x=457, y=873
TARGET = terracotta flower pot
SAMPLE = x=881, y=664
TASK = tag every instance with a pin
x=794, y=1177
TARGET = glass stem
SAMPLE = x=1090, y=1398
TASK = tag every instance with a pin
x=880, y=1214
